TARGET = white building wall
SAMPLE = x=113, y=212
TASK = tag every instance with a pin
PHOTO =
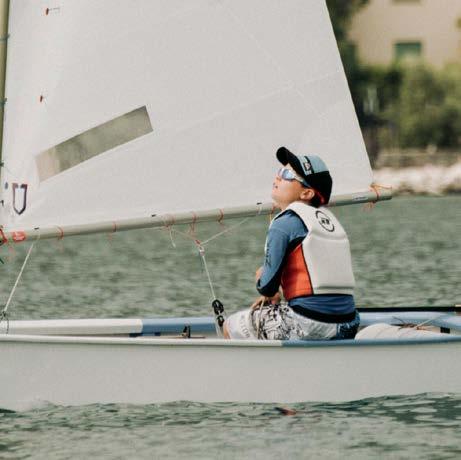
x=383, y=23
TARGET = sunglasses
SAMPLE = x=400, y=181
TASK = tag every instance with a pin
x=290, y=175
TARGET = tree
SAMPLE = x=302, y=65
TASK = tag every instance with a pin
x=358, y=76
x=341, y=13
x=361, y=78
x=420, y=105
x=427, y=110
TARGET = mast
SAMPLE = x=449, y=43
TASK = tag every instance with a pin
x=4, y=10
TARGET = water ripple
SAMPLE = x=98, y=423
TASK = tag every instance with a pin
x=405, y=253
x=423, y=426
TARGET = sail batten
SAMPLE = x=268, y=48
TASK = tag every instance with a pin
x=222, y=85
x=93, y=142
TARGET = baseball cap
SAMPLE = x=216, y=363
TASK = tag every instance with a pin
x=312, y=169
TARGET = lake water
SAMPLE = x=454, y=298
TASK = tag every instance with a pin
x=406, y=252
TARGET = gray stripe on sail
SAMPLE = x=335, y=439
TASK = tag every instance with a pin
x=93, y=142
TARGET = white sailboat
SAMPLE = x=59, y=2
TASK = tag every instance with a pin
x=124, y=115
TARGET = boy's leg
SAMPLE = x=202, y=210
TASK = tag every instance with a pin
x=317, y=330
x=239, y=326
x=311, y=329
x=348, y=330
x=270, y=322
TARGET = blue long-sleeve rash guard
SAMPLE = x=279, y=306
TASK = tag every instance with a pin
x=285, y=233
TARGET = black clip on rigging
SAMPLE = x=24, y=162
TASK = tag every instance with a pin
x=218, y=309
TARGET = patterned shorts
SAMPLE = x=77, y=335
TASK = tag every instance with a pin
x=280, y=322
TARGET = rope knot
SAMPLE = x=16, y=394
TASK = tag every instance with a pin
x=3, y=238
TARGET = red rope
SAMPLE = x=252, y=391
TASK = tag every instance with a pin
x=192, y=225
x=170, y=220
x=4, y=238
x=221, y=218
x=376, y=189
x=61, y=236
x=114, y=229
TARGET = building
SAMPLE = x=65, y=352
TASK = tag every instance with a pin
x=387, y=30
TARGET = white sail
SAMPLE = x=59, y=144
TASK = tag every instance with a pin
x=125, y=109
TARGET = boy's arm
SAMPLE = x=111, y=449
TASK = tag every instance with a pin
x=271, y=272
x=263, y=299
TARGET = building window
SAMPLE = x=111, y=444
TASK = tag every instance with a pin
x=408, y=50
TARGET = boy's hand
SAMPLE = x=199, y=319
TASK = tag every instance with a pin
x=258, y=274
x=260, y=301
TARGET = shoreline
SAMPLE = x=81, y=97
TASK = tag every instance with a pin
x=421, y=180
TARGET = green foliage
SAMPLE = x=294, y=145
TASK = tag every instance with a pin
x=427, y=107
x=341, y=13
x=409, y=106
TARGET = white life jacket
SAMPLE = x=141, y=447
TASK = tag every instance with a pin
x=321, y=264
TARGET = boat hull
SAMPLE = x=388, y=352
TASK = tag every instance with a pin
x=86, y=370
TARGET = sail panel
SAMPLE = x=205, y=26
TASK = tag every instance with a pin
x=95, y=141
x=224, y=84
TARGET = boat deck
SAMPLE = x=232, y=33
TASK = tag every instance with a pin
x=447, y=322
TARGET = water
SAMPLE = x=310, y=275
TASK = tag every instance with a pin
x=421, y=427
x=406, y=252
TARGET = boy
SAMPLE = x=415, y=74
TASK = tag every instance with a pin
x=307, y=254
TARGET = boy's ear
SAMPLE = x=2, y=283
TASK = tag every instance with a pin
x=307, y=194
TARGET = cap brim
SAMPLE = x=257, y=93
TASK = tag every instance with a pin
x=286, y=157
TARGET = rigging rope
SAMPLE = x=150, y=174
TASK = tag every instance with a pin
x=4, y=313
x=217, y=305
x=201, y=251
x=429, y=321
x=422, y=324
x=376, y=188
x=201, y=246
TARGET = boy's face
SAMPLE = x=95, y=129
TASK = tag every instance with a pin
x=285, y=192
